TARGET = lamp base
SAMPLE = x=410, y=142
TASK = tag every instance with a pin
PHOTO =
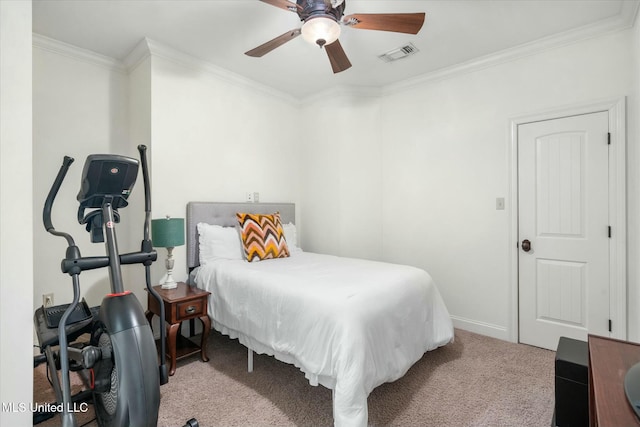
x=169, y=285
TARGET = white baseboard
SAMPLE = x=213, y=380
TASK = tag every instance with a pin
x=482, y=328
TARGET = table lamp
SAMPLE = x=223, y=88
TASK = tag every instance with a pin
x=168, y=233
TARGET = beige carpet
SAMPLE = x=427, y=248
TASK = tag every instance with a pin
x=475, y=381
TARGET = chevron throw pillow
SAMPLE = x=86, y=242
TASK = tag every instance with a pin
x=262, y=236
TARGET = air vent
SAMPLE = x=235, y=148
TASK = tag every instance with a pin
x=399, y=53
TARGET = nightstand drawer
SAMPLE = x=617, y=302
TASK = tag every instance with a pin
x=191, y=309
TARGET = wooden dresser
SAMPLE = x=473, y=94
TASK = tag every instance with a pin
x=609, y=360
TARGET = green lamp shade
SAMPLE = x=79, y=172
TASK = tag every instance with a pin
x=167, y=232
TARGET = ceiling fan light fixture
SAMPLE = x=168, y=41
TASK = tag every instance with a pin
x=321, y=30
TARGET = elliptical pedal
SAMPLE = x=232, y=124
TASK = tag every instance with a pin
x=53, y=314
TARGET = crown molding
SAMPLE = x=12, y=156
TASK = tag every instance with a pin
x=137, y=55
x=160, y=50
x=633, y=10
x=70, y=51
x=146, y=48
x=624, y=20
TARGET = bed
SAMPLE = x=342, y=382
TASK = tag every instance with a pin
x=348, y=324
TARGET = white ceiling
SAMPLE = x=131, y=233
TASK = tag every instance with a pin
x=220, y=31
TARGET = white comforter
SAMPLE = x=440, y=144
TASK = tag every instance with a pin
x=348, y=324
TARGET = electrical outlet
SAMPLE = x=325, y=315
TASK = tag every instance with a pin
x=250, y=197
x=47, y=300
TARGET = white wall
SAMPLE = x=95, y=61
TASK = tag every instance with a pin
x=341, y=180
x=214, y=141
x=79, y=108
x=633, y=190
x=16, y=244
x=445, y=159
x=139, y=93
x=457, y=154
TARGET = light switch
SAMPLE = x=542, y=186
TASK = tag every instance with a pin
x=500, y=203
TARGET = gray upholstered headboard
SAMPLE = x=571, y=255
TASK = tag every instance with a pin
x=224, y=214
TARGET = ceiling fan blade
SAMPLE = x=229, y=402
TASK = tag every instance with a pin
x=337, y=57
x=409, y=23
x=267, y=47
x=283, y=4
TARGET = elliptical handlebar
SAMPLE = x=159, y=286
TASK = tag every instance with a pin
x=48, y=204
x=142, y=149
x=147, y=247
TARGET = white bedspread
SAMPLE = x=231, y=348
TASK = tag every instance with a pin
x=348, y=324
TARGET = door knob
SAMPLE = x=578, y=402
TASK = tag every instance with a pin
x=526, y=245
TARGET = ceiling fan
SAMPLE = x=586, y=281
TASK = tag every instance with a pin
x=321, y=26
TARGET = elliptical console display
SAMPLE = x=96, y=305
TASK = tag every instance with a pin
x=105, y=178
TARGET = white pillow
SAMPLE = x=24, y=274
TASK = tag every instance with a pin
x=217, y=242
x=291, y=236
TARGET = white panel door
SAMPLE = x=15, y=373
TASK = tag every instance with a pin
x=563, y=229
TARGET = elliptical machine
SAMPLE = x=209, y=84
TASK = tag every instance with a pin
x=120, y=361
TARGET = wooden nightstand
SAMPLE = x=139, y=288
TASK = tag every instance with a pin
x=182, y=303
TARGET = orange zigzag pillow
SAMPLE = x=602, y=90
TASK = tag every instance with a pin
x=262, y=236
